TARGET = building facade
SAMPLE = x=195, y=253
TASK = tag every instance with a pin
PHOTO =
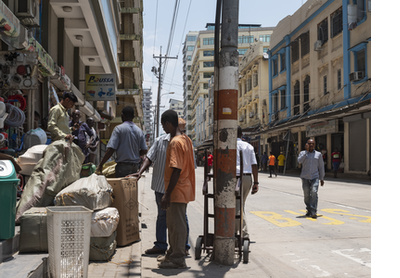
x=148, y=112
x=202, y=69
x=320, y=83
x=177, y=106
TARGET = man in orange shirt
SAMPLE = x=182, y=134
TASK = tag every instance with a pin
x=271, y=164
x=179, y=180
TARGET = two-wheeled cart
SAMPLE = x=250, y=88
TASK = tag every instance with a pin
x=205, y=242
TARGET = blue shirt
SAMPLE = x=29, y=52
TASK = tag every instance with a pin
x=312, y=165
x=127, y=140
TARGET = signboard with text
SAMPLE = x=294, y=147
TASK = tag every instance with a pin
x=322, y=128
x=100, y=87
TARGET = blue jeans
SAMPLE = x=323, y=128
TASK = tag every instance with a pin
x=161, y=226
x=310, y=189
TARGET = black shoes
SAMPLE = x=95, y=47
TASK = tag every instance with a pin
x=154, y=251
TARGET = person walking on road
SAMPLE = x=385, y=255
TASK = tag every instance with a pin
x=336, y=158
x=157, y=155
x=281, y=162
x=180, y=183
x=271, y=164
x=264, y=162
x=249, y=168
x=58, y=123
x=312, y=173
x=128, y=142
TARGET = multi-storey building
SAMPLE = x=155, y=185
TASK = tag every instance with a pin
x=253, y=91
x=202, y=70
x=189, y=45
x=177, y=106
x=320, y=82
x=148, y=125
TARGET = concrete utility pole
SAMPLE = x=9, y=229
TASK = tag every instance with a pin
x=158, y=71
x=225, y=131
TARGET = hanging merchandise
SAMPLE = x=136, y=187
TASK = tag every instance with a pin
x=18, y=100
x=3, y=114
x=18, y=70
x=16, y=117
x=3, y=141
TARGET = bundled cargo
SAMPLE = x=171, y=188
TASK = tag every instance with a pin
x=60, y=166
x=102, y=248
x=104, y=222
x=126, y=201
x=33, y=231
x=92, y=192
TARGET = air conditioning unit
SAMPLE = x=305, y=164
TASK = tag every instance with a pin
x=28, y=12
x=318, y=45
x=356, y=76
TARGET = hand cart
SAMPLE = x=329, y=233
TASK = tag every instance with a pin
x=205, y=242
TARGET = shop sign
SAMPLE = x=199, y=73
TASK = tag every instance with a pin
x=9, y=23
x=100, y=87
x=18, y=70
x=46, y=63
x=322, y=128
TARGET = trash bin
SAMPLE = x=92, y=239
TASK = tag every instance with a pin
x=68, y=233
x=8, y=198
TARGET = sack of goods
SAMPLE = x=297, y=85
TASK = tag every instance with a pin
x=93, y=192
x=102, y=248
x=104, y=222
x=30, y=158
x=33, y=231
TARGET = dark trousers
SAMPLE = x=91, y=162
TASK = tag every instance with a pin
x=123, y=169
x=272, y=169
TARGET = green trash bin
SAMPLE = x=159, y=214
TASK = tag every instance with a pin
x=8, y=198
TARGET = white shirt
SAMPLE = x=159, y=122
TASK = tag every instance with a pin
x=249, y=157
x=157, y=154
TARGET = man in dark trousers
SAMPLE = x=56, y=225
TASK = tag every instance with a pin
x=128, y=142
x=312, y=172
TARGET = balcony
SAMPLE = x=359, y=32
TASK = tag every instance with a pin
x=130, y=64
x=130, y=37
x=131, y=10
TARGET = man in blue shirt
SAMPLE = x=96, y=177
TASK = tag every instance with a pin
x=312, y=172
x=128, y=142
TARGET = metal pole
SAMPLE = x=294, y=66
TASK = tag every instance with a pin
x=225, y=134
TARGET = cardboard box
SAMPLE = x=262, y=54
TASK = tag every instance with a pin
x=125, y=194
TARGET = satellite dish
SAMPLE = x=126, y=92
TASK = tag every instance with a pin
x=265, y=56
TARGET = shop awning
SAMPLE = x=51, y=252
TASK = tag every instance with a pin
x=78, y=94
x=89, y=111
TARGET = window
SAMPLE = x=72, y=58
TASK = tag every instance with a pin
x=305, y=44
x=283, y=99
x=208, y=53
x=248, y=85
x=325, y=84
x=283, y=61
x=208, y=41
x=245, y=39
x=255, y=79
x=295, y=50
x=336, y=22
x=322, y=31
x=191, y=38
x=306, y=91
x=296, y=92
x=189, y=57
x=208, y=64
x=339, y=79
x=274, y=66
x=190, y=48
x=188, y=67
x=274, y=103
x=207, y=74
x=360, y=60
x=242, y=51
x=205, y=86
x=265, y=38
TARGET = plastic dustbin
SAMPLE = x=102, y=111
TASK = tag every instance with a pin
x=8, y=198
x=68, y=234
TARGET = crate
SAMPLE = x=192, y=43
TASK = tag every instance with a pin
x=68, y=230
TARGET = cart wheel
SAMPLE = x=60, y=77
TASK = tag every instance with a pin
x=197, y=249
x=246, y=250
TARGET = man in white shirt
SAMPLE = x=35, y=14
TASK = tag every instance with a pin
x=249, y=168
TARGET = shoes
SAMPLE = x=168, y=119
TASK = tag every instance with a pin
x=187, y=253
x=161, y=258
x=314, y=216
x=308, y=214
x=153, y=251
x=169, y=264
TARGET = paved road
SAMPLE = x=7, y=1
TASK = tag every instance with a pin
x=283, y=242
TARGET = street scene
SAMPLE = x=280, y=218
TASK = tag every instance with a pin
x=212, y=138
x=284, y=243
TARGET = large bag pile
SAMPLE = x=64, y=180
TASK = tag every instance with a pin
x=93, y=192
x=60, y=166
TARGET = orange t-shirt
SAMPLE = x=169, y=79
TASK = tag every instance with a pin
x=180, y=155
x=271, y=160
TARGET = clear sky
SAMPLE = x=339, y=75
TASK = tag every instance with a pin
x=193, y=15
